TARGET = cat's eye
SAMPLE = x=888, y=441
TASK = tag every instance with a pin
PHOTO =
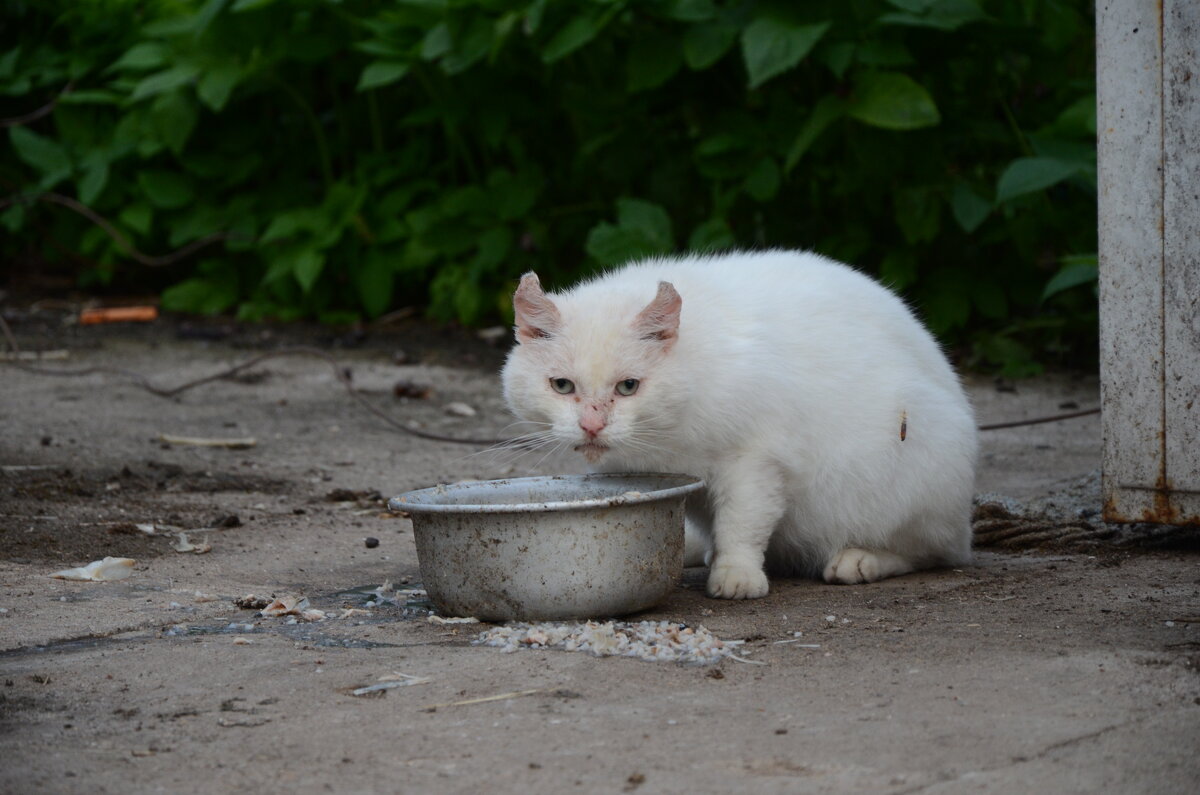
x=562, y=386
x=627, y=387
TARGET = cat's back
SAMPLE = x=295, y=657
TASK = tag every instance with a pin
x=782, y=295
x=769, y=311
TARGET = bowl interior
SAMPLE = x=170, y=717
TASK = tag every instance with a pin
x=555, y=492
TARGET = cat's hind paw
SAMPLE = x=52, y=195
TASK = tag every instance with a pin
x=853, y=565
x=733, y=581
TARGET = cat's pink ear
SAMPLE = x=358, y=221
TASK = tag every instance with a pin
x=660, y=319
x=536, y=315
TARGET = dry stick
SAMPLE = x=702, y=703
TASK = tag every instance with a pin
x=1017, y=423
x=120, y=239
x=34, y=115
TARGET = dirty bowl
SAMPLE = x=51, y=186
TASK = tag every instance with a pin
x=542, y=548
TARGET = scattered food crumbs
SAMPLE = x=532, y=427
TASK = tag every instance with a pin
x=99, y=570
x=452, y=620
x=831, y=619
x=292, y=606
x=370, y=542
x=645, y=640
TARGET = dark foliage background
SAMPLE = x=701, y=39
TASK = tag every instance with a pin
x=317, y=158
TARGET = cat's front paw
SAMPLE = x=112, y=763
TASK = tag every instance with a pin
x=735, y=581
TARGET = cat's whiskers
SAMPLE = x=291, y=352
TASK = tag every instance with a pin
x=518, y=446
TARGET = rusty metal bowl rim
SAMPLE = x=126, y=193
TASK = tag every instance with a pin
x=676, y=485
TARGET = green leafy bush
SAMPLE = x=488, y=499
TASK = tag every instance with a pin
x=336, y=159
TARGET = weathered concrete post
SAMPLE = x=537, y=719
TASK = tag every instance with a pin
x=1148, y=121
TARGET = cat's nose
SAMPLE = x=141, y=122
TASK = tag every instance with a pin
x=592, y=422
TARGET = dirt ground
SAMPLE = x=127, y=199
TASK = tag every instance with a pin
x=1065, y=660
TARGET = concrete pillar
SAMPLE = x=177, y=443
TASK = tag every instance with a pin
x=1148, y=123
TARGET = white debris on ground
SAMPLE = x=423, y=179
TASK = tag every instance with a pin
x=292, y=606
x=390, y=682
x=183, y=545
x=387, y=595
x=99, y=570
x=452, y=620
x=645, y=640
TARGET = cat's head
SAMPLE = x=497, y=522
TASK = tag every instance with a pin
x=591, y=367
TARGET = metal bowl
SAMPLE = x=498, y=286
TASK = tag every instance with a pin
x=543, y=548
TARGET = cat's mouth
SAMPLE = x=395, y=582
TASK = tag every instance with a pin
x=591, y=450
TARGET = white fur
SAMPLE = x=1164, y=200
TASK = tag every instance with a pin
x=785, y=389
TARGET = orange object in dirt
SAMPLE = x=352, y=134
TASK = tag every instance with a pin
x=118, y=314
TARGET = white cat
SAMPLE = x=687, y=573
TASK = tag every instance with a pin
x=834, y=436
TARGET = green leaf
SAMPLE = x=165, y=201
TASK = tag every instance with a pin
x=690, y=10
x=146, y=55
x=250, y=5
x=92, y=183
x=827, y=110
x=470, y=47
x=712, y=235
x=494, y=246
x=918, y=214
x=762, y=183
x=204, y=295
x=307, y=265
x=42, y=153
x=892, y=101
x=381, y=73
x=653, y=59
x=643, y=229
x=207, y=13
x=168, y=190
x=970, y=209
x=647, y=218
x=374, y=279
x=514, y=196
x=1077, y=270
x=138, y=217
x=944, y=15
x=706, y=43
x=13, y=219
x=579, y=31
x=217, y=84
x=288, y=224
x=771, y=46
x=174, y=116
x=165, y=80
x=837, y=57
x=8, y=63
x=437, y=42
x=1029, y=174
